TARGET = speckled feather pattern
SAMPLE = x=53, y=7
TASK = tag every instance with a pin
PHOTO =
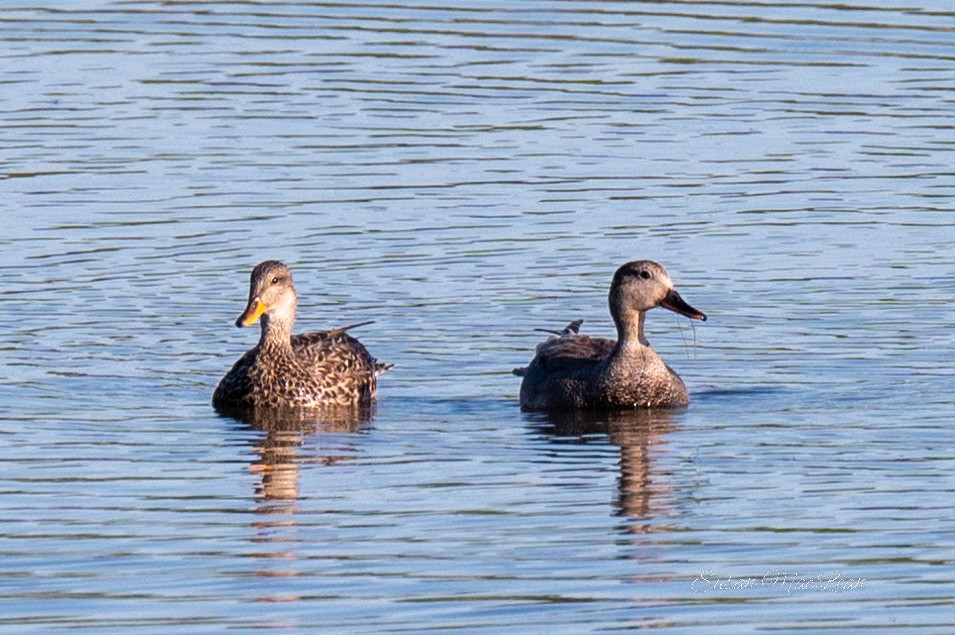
x=322, y=369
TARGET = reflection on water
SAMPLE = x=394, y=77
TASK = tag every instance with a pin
x=641, y=435
x=285, y=431
x=278, y=465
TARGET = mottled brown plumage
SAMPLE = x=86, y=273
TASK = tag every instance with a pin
x=573, y=371
x=311, y=370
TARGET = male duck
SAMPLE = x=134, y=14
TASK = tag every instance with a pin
x=572, y=371
x=311, y=370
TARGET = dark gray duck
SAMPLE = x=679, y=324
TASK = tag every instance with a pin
x=573, y=371
x=310, y=370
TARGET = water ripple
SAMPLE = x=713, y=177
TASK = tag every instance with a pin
x=462, y=175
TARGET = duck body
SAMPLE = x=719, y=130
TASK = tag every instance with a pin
x=310, y=370
x=575, y=372
x=316, y=369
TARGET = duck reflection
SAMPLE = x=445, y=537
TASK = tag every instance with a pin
x=285, y=433
x=643, y=492
x=291, y=438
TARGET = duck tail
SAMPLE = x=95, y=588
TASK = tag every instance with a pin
x=571, y=329
x=343, y=329
x=381, y=367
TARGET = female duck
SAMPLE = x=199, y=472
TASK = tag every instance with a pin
x=578, y=372
x=311, y=370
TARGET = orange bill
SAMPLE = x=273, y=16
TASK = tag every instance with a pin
x=252, y=313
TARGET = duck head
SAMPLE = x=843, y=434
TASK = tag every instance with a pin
x=642, y=285
x=271, y=294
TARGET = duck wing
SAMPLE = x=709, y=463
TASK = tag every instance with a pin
x=560, y=353
x=336, y=351
x=568, y=350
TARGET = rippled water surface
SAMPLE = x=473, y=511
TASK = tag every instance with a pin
x=463, y=173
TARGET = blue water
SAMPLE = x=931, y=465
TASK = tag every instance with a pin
x=462, y=175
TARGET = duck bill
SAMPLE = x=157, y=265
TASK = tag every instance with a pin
x=252, y=313
x=675, y=303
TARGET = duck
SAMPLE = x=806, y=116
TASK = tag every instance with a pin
x=309, y=370
x=571, y=371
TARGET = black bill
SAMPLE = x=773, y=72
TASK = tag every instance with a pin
x=675, y=303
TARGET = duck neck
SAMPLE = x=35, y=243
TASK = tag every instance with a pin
x=276, y=336
x=630, y=339
x=629, y=321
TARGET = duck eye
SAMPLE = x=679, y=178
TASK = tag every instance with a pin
x=645, y=274
x=275, y=280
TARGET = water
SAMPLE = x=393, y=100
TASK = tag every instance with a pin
x=463, y=174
